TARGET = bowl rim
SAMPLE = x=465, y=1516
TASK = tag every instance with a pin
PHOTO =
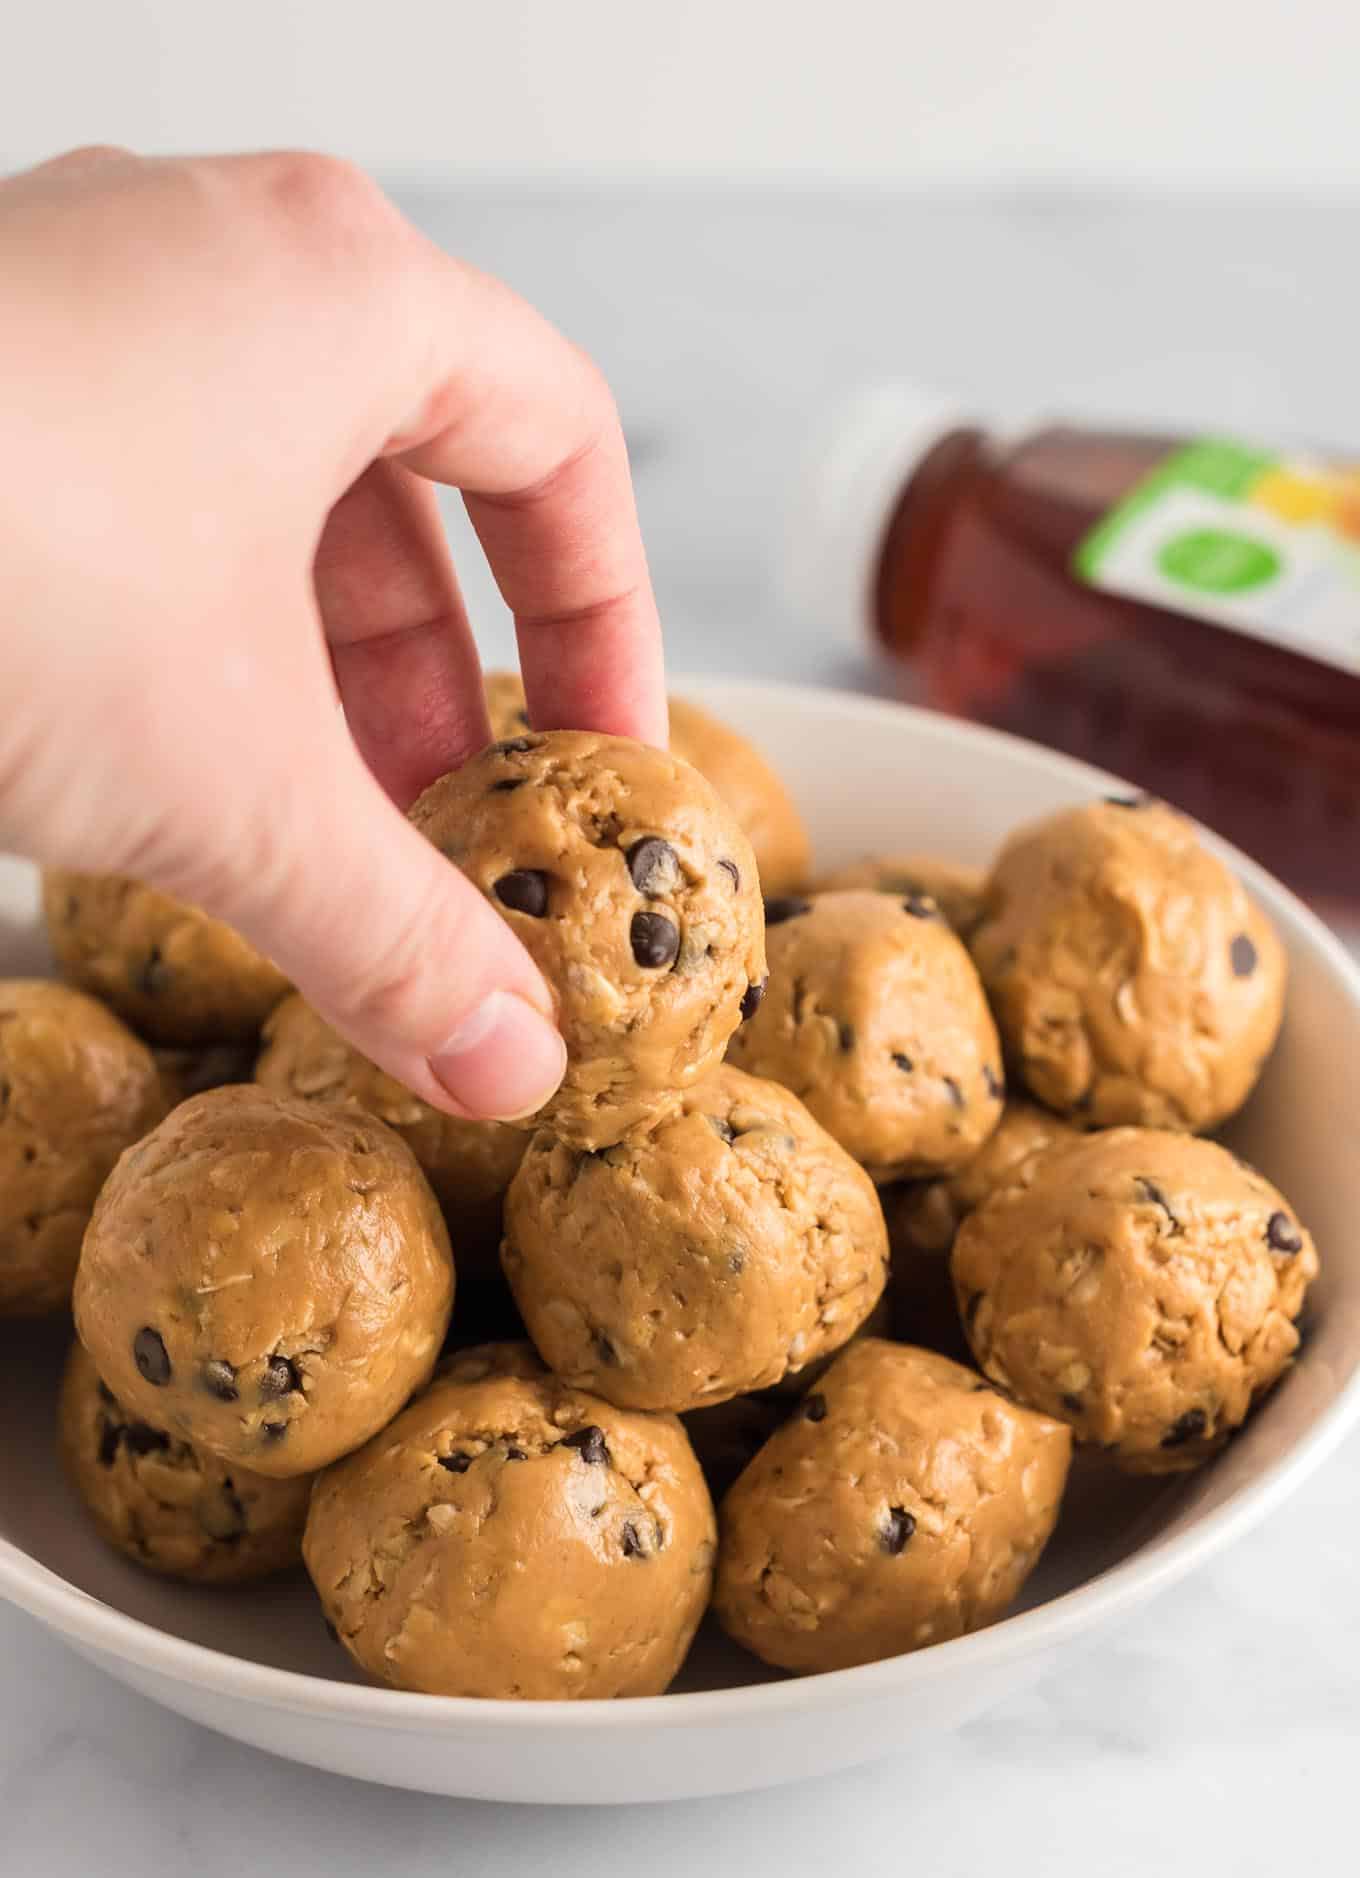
x=87, y=1622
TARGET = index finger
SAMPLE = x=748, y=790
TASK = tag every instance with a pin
x=520, y=420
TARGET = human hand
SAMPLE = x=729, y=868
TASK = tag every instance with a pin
x=228, y=386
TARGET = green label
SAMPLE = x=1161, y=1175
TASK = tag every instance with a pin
x=1214, y=560
x=1247, y=539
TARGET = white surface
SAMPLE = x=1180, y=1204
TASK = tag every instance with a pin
x=1219, y=1730
x=1117, y=1544
x=1168, y=90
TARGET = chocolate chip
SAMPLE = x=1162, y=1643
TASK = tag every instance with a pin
x=1128, y=802
x=110, y=1434
x=219, y=1379
x=514, y=746
x=814, y=1408
x=1243, y=955
x=512, y=1453
x=847, y=1037
x=1073, y=1404
x=920, y=906
x=151, y=1357
x=896, y=1529
x=632, y=1541
x=455, y=1463
x=152, y=975
x=654, y=865
x=904, y=1063
x=281, y=1377
x=730, y=867
x=655, y=940
x=273, y=1431
x=507, y=784
x=955, y=1093
x=996, y=1084
x=590, y=1444
x=723, y=1130
x=522, y=717
x=140, y=1439
x=787, y=906
x=1154, y=1196
x=1282, y=1235
x=525, y=890
x=1187, y=1427
x=751, y=997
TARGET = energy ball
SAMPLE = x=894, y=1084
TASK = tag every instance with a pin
x=265, y=1278
x=76, y=1088
x=1142, y=1285
x=469, y=1164
x=752, y=791
x=875, y=1018
x=735, y=768
x=175, y=974
x=509, y=1536
x=924, y=1216
x=734, y=1243
x=167, y=1505
x=957, y=890
x=904, y=1503
x=1132, y=978
x=636, y=894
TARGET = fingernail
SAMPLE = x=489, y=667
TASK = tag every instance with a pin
x=503, y=1061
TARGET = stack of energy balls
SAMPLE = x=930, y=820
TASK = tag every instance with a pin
x=783, y=1239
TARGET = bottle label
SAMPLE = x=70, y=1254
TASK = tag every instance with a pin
x=1268, y=545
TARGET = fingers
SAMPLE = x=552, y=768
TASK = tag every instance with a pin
x=522, y=423
x=401, y=647
x=387, y=939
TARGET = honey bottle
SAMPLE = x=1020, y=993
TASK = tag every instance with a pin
x=1184, y=611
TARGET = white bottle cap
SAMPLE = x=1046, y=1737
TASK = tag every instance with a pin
x=845, y=495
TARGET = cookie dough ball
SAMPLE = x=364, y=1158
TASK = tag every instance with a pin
x=955, y=889
x=634, y=890
x=752, y=791
x=875, y=1017
x=469, y=1164
x=175, y=974
x=1142, y=1285
x=76, y=1088
x=734, y=1243
x=167, y=1505
x=1132, y=978
x=734, y=767
x=924, y=1216
x=905, y=1503
x=509, y=1536
x=265, y=1278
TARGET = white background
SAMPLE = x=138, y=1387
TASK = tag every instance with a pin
x=1160, y=91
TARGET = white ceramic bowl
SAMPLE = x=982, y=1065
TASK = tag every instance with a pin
x=259, y=1666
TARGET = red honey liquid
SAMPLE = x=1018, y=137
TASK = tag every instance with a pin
x=975, y=591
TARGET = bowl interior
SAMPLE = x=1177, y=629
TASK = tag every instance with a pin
x=869, y=777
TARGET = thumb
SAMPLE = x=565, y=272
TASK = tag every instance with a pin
x=393, y=945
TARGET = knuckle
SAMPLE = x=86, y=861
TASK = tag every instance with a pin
x=310, y=189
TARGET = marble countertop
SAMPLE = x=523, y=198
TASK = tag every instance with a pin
x=1218, y=1731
